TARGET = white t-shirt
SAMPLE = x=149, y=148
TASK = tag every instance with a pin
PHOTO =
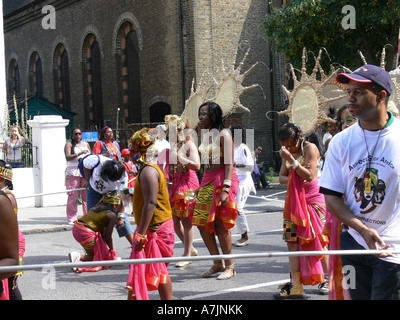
x=97, y=182
x=242, y=155
x=326, y=137
x=345, y=164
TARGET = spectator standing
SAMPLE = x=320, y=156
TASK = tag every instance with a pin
x=215, y=211
x=13, y=147
x=106, y=145
x=154, y=234
x=361, y=185
x=73, y=151
x=258, y=173
x=244, y=164
x=162, y=145
x=304, y=211
x=130, y=169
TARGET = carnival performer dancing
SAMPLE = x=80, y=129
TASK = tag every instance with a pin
x=154, y=235
x=183, y=163
x=304, y=211
x=215, y=211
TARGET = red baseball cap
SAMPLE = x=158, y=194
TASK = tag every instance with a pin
x=125, y=152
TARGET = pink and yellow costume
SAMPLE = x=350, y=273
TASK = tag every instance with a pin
x=207, y=206
x=304, y=215
x=182, y=182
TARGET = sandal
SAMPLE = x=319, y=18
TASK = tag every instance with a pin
x=214, y=269
x=227, y=274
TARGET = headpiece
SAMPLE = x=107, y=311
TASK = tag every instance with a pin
x=178, y=121
x=6, y=173
x=111, y=198
x=140, y=141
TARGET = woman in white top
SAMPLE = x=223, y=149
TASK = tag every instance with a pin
x=244, y=164
x=12, y=147
x=73, y=150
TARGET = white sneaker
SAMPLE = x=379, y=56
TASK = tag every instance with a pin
x=323, y=288
x=74, y=257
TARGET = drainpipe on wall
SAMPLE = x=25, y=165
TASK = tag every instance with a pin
x=182, y=54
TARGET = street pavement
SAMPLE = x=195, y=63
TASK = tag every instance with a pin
x=258, y=277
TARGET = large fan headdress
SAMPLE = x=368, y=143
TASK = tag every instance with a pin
x=226, y=92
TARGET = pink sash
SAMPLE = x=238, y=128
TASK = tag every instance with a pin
x=305, y=207
x=147, y=277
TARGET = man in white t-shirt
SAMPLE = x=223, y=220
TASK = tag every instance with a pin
x=361, y=184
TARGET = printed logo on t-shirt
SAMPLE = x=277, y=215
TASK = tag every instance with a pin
x=369, y=190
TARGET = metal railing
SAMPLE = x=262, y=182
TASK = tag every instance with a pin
x=28, y=151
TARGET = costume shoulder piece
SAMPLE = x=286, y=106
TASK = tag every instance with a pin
x=311, y=98
x=226, y=92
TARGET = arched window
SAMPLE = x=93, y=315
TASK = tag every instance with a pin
x=62, y=94
x=129, y=74
x=14, y=85
x=158, y=111
x=35, y=75
x=93, y=93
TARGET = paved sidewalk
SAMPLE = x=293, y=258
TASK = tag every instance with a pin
x=54, y=219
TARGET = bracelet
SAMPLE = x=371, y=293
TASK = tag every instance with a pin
x=227, y=182
x=226, y=189
x=295, y=164
x=141, y=238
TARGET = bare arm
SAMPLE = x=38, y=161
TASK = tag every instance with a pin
x=193, y=160
x=8, y=236
x=149, y=181
x=308, y=171
x=112, y=219
x=227, y=148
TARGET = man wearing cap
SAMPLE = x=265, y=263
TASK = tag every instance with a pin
x=361, y=184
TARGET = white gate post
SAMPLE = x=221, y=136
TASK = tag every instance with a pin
x=48, y=134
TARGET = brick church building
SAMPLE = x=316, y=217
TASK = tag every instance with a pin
x=127, y=63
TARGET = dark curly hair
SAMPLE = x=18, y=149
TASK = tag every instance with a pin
x=112, y=170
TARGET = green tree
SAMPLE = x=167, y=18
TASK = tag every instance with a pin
x=316, y=24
